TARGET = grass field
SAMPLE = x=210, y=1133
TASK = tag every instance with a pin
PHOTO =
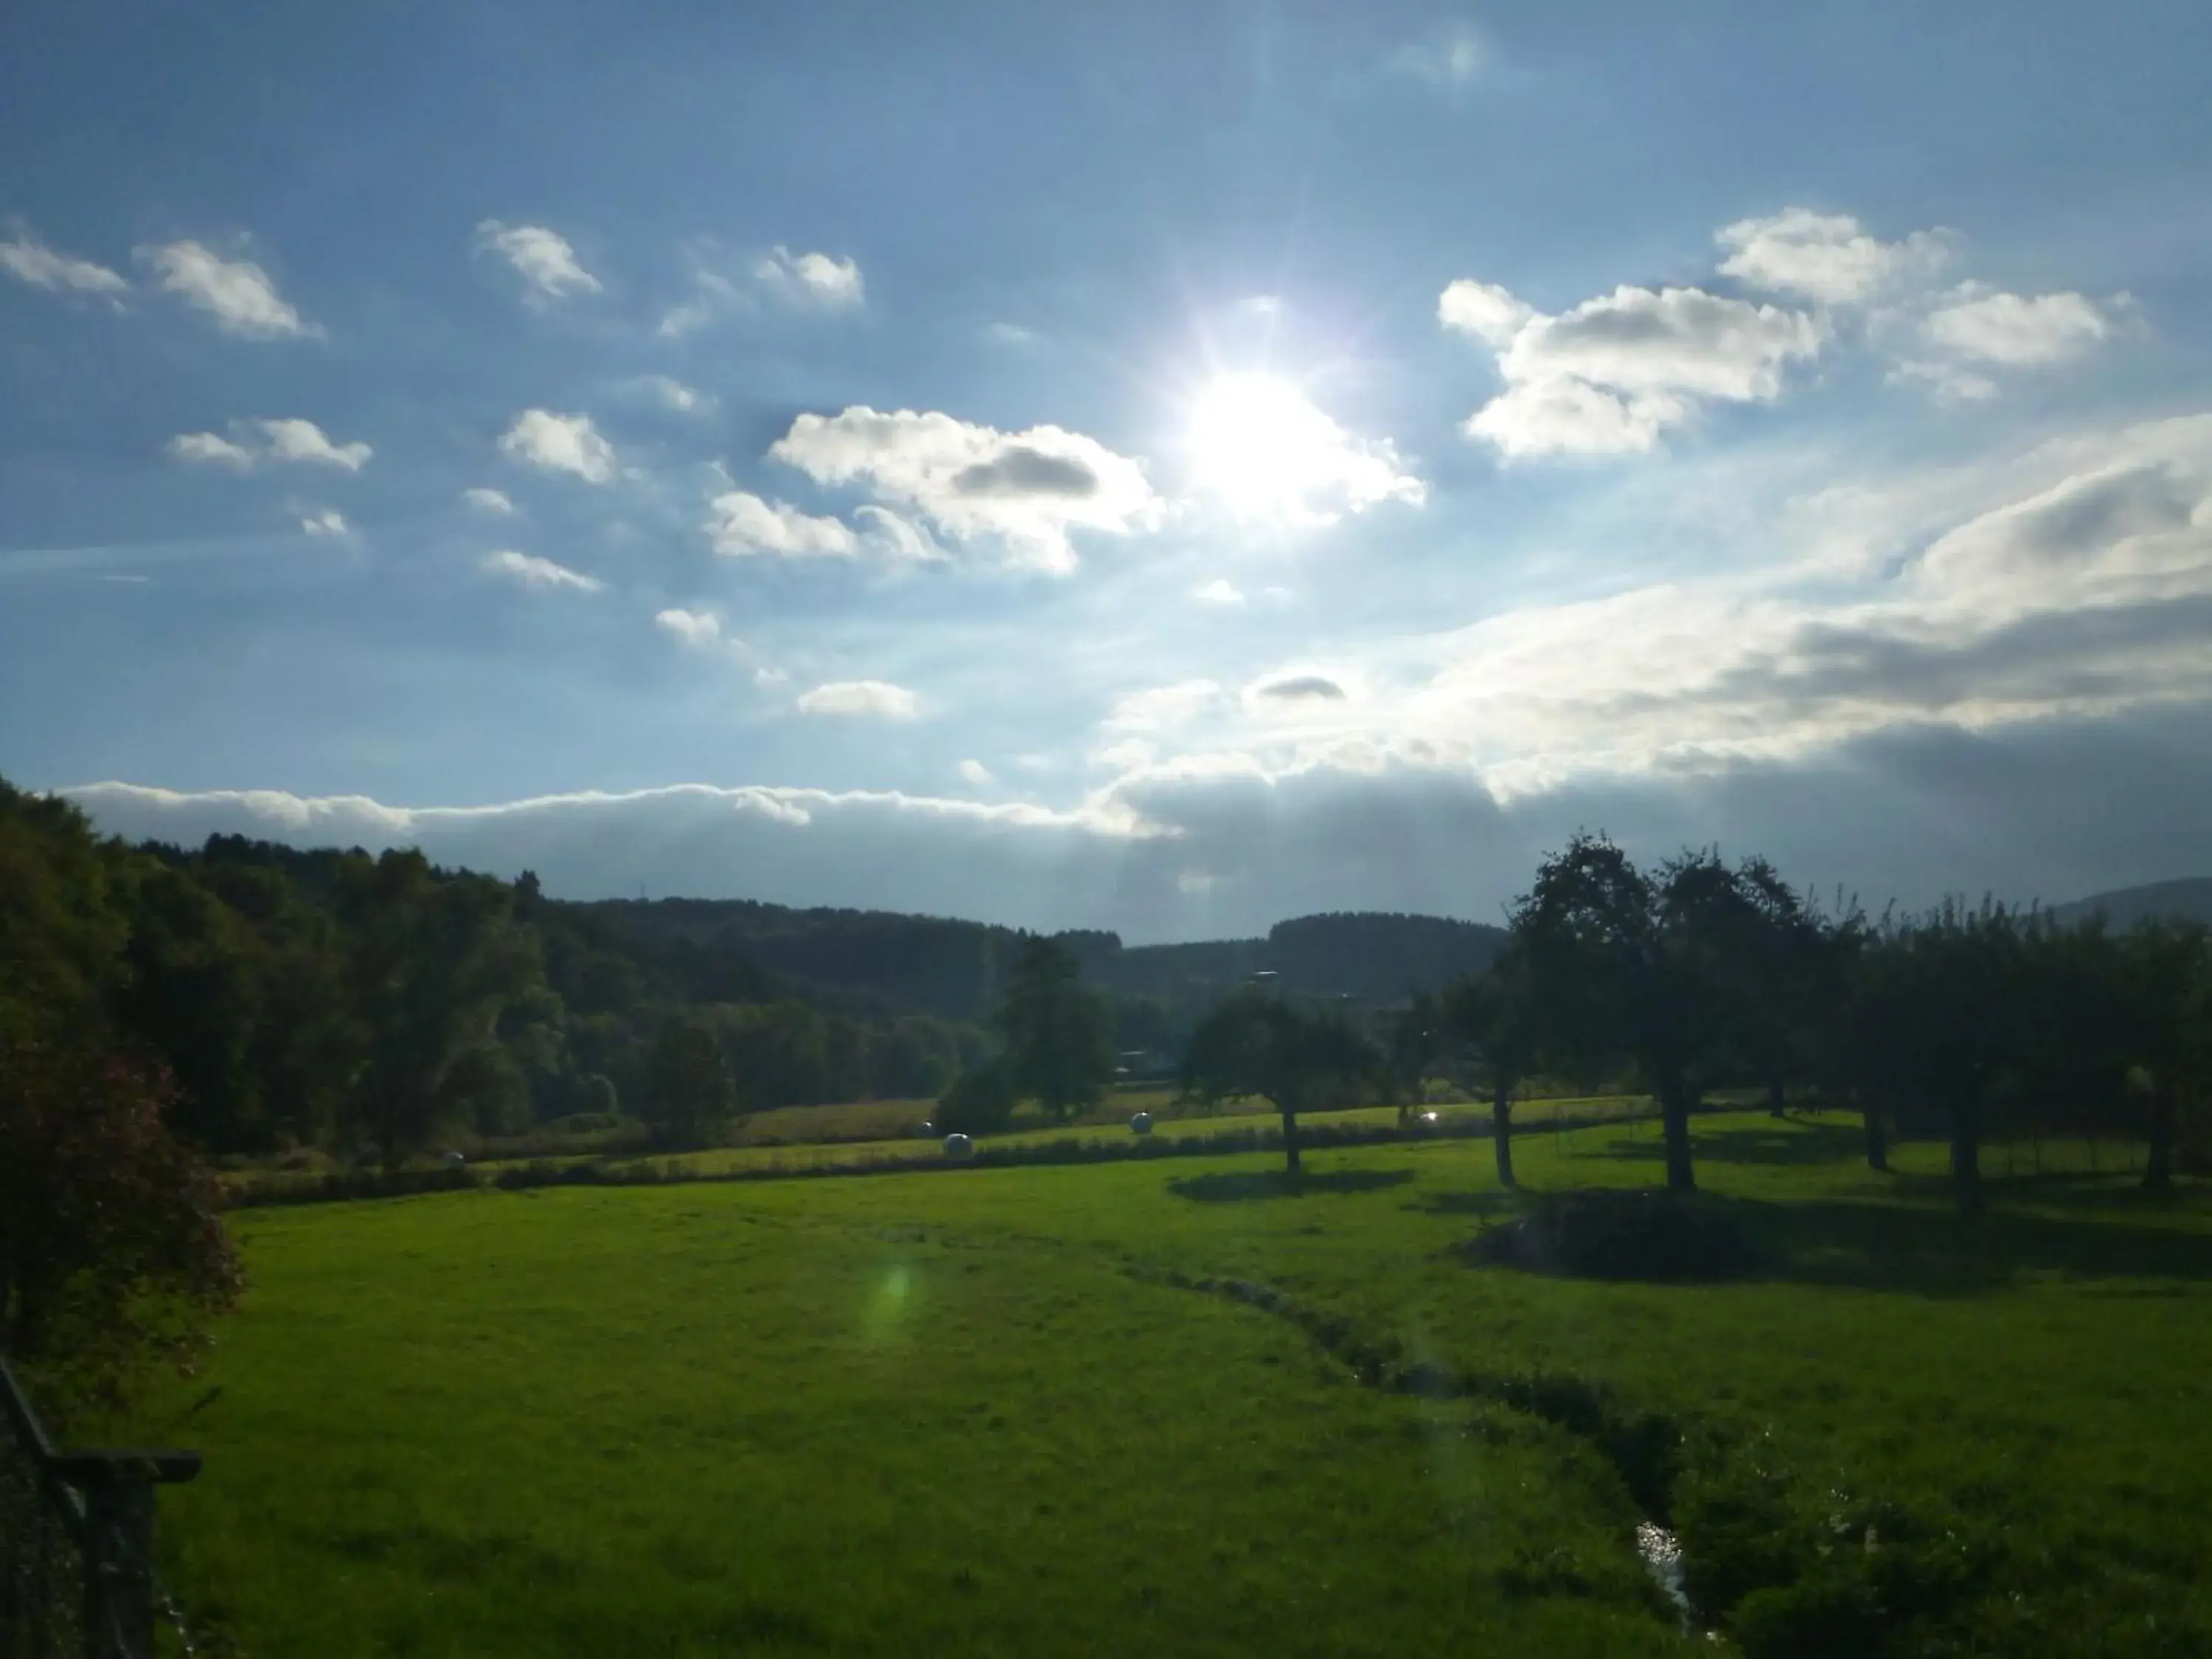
x=996, y=1412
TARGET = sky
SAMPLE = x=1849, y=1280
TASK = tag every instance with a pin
x=1163, y=467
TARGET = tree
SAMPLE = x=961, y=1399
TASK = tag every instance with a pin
x=435, y=962
x=1417, y=1040
x=691, y=1097
x=1059, y=1048
x=1492, y=1017
x=980, y=1102
x=113, y=1256
x=1257, y=1044
x=1662, y=971
x=2167, y=997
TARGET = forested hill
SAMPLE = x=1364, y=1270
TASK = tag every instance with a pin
x=949, y=967
x=2130, y=907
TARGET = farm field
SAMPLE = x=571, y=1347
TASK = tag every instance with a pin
x=1012, y=1411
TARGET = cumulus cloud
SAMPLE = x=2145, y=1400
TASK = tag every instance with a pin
x=328, y=522
x=28, y=259
x=1484, y=310
x=303, y=440
x=1828, y=257
x=532, y=571
x=237, y=292
x=1026, y=491
x=975, y=772
x=869, y=699
x=698, y=630
x=1610, y=375
x=559, y=443
x=1162, y=708
x=1220, y=591
x=814, y=280
x=673, y=395
x=542, y=257
x=486, y=499
x=1300, y=688
x=2016, y=331
x=291, y=439
x=1453, y=55
x=741, y=525
x=208, y=449
x=1263, y=446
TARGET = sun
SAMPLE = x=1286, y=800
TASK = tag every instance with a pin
x=1257, y=441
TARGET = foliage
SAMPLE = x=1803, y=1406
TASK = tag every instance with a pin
x=1297, y=1058
x=690, y=1098
x=979, y=1102
x=113, y=1258
x=1059, y=1045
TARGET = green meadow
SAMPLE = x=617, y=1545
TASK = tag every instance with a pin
x=1178, y=1406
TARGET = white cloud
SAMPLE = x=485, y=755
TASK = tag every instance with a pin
x=712, y=293
x=1484, y=310
x=28, y=259
x=896, y=537
x=1946, y=383
x=1572, y=417
x=328, y=522
x=1612, y=374
x=542, y=257
x=1010, y=334
x=534, y=572
x=559, y=443
x=975, y=772
x=2016, y=331
x=1162, y=708
x=1218, y=592
x=874, y=699
x=208, y=448
x=1262, y=446
x=1453, y=55
x=810, y=279
x=696, y=630
x=742, y=525
x=673, y=395
x=1828, y=257
x=486, y=499
x=303, y=440
x=237, y=292
x=1027, y=491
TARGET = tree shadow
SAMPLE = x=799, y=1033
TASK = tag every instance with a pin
x=1485, y=1204
x=1241, y=1186
x=1785, y=1145
x=1930, y=1250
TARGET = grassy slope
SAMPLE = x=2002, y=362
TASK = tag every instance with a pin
x=938, y=1413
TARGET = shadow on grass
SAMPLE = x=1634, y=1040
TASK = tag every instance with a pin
x=1788, y=1143
x=1921, y=1250
x=1237, y=1187
x=1485, y=1203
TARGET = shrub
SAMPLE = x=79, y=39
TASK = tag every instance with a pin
x=980, y=1102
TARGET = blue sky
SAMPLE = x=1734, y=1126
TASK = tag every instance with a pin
x=1164, y=467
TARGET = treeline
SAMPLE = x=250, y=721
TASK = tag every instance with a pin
x=335, y=1000
x=1964, y=1024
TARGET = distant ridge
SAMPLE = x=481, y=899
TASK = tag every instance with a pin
x=2187, y=900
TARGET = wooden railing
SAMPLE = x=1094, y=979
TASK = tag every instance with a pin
x=76, y=1541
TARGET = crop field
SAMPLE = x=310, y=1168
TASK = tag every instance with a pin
x=1179, y=1407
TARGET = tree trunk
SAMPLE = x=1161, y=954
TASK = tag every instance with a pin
x=1778, y=1098
x=1674, y=1118
x=2158, y=1169
x=1877, y=1136
x=1290, y=1139
x=1501, y=1127
x=1966, y=1153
